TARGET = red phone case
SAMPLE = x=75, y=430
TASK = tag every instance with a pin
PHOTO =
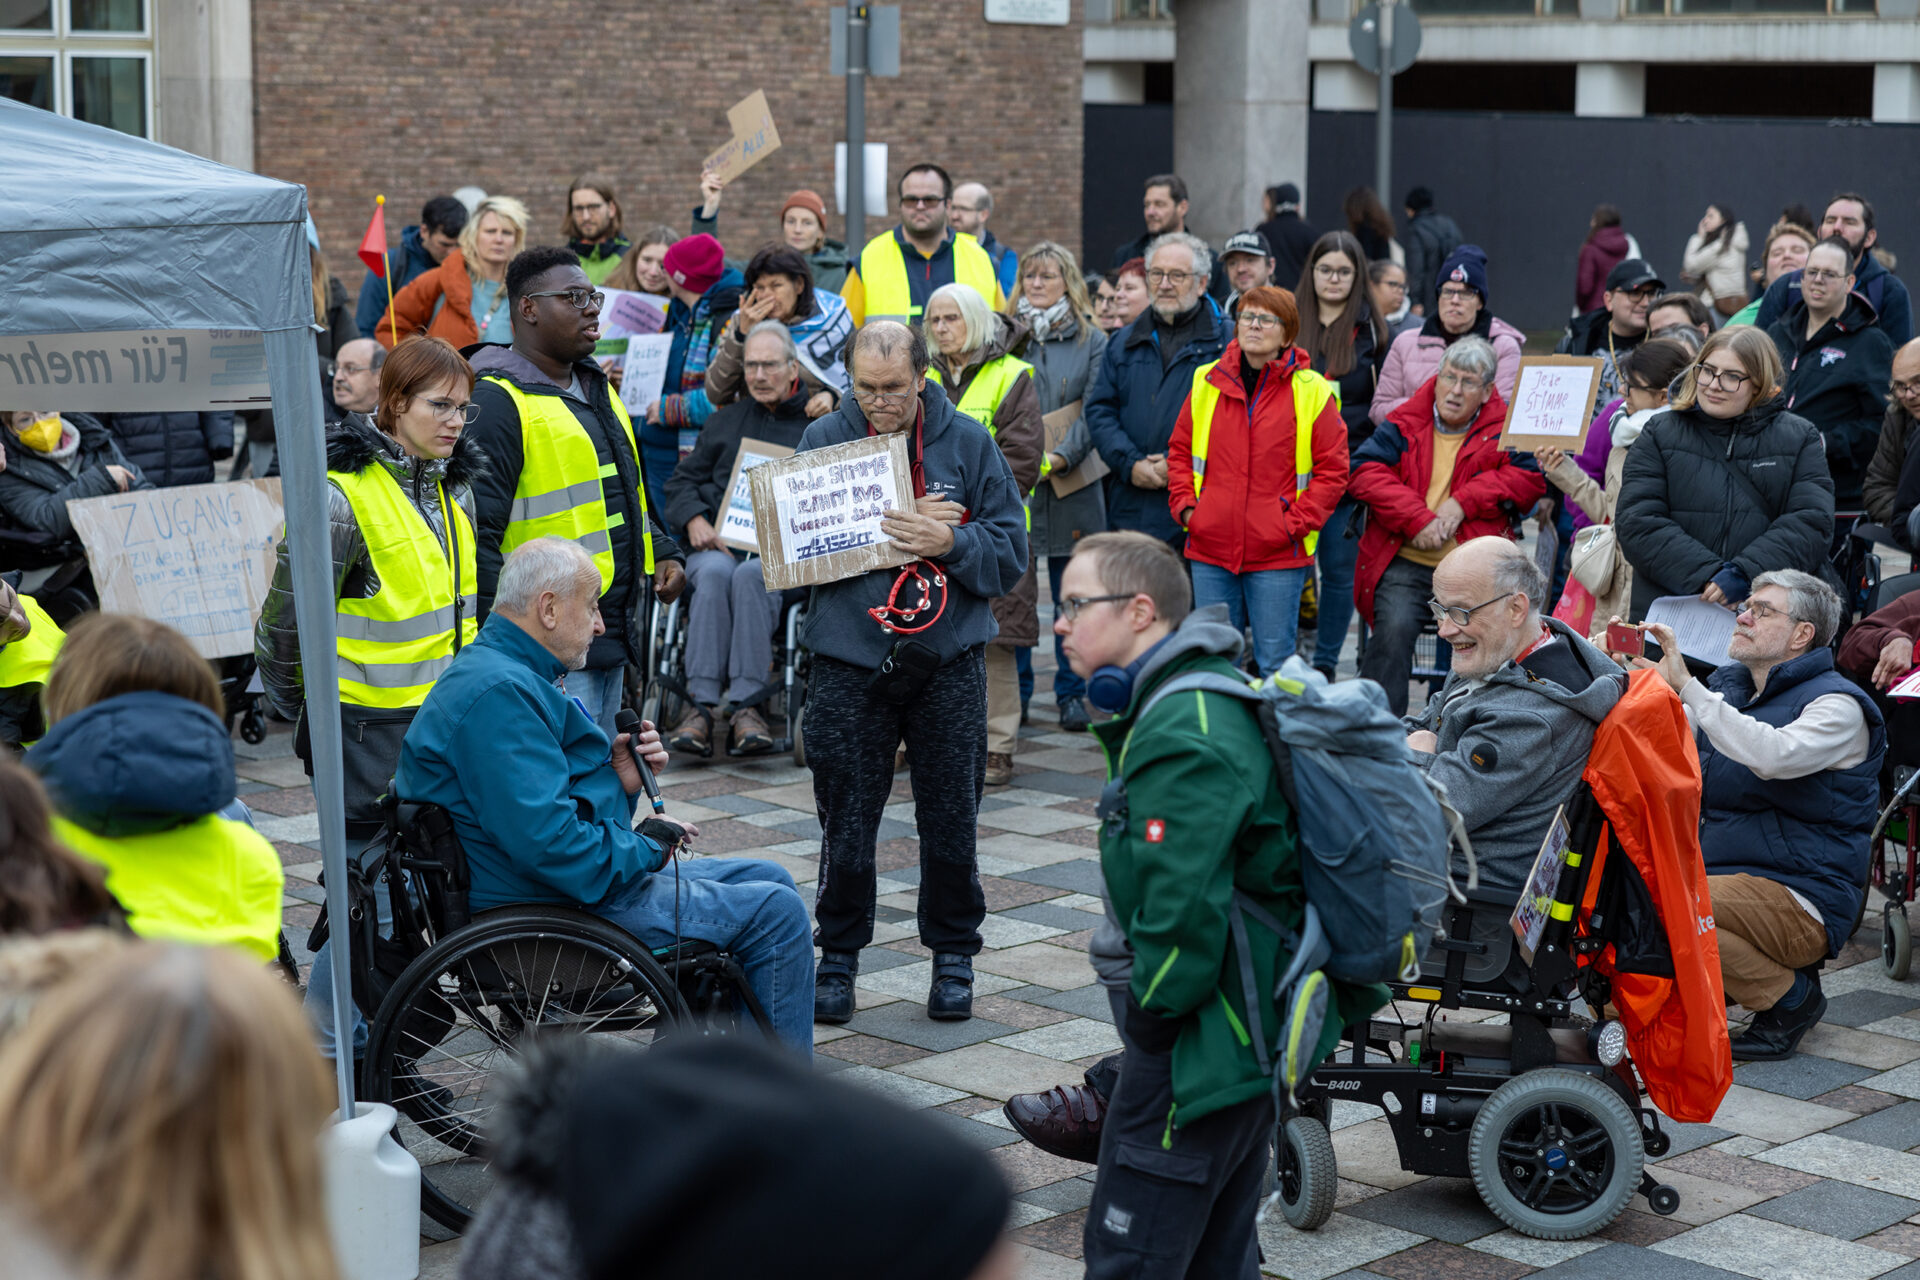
x=1622, y=638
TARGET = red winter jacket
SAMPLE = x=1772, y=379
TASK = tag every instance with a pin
x=1606, y=250
x=1246, y=517
x=1390, y=474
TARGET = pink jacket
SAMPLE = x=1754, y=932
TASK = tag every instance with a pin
x=1414, y=358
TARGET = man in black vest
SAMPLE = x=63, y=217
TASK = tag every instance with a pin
x=1789, y=759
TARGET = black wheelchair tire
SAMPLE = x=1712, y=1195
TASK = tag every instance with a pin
x=1896, y=942
x=1306, y=1173
x=1527, y=1119
x=799, y=738
x=419, y=993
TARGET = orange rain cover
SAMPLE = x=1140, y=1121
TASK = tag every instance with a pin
x=1645, y=774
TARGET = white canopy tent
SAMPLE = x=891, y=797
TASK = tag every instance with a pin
x=133, y=275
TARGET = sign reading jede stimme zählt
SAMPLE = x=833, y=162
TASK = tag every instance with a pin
x=817, y=514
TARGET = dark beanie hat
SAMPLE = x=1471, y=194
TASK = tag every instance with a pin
x=716, y=1159
x=695, y=263
x=1419, y=199
x=1466, y=265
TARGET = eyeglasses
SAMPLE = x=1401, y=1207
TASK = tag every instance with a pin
x=765, y=366
x=922, y=202
x=1645, y=293
x=1465, y=381
x=1462, y=616
x=1258, y=321
x=1399, y=286
x=448, y=411
x=1072, y=605
x=355, y=370
x=1820, y=275
x=1326, y=272
x=1451, y=294
x=596, y=207
x=1168, y=277
x=1725, y=379
x=1761, y=610
x=864, y=396
x=1902, y=390
x=580, y=298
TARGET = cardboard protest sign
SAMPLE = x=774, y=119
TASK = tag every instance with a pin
x=645, y=372
x=1091, y=468
x=1552, y=405
x=816, y=515
x=754, y=138
x=198, y=557
x=135, y=371
x=736, y=521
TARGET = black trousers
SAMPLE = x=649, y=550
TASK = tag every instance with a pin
x=1178, y=1202
x=851, y=736
x=1399, y=612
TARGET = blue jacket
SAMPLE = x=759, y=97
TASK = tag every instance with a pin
x=1132, y=406
x=403, y=264
x=1810, y=834
x=526, y=774
x=136, y=763
x=989, y=551
x=1875, y=283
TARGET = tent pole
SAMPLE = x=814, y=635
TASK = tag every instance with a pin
x=294, y=371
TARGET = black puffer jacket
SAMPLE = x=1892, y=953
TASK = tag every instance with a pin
x=1837, y=380
x=35, y=488
x=173, y=448
x=1704, y=496
x=1357, y=384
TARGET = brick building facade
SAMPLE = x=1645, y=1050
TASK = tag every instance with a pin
x=353, y=97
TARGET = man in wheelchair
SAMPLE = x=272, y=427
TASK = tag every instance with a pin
x=543, y=804
x=1509, y=732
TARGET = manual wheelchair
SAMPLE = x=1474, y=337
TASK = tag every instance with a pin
x=457, y=995
x=1542, y=1113
x=664, y=698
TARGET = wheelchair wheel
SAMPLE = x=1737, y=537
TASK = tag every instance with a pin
x=472, y=1002
x=1555, y=1154
x=1896, y=941
x=1307, y=1173
x=799, y=741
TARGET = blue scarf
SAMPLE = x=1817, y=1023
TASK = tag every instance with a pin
x=822, y=340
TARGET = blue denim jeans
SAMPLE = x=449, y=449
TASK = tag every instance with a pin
x=1066, y=684
x=599, y=691
x=745, y=905
x=1335, y=555
x=1269, y=599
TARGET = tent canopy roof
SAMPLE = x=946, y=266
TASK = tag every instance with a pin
x=101, y=231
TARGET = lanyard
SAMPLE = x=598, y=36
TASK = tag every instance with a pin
x=926, y=575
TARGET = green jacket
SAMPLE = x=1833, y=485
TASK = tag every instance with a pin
x=1205, y=816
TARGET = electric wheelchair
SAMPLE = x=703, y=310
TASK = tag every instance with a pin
x=1544, y=1114
x=664, y=699
x=457, y=995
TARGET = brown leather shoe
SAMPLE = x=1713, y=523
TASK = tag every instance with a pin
x=751, y=734
x=999, y=768
x=694, y=734
x=1063, y=1121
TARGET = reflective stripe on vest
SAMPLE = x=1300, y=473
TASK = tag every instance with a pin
x=560, y=492
x=983, y=398
x=883, y=275
x=393, y=645
x=28, y=659
x=1310, y=395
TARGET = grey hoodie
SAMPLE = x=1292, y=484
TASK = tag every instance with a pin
x=1512, y=748
x=1205, y=632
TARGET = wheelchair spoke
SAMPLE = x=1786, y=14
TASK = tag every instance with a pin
x=1537, y=1186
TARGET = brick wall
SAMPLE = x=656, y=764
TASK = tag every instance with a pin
x=354, y=97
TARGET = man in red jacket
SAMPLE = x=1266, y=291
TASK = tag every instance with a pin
x=1431, y=476
x=1234, y=479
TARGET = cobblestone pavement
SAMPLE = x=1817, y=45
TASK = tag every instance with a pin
x=1810, y=1170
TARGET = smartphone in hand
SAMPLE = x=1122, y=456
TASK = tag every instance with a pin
x=1627, y=639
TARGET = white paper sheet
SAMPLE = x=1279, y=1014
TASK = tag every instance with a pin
x=1702, y=629
x=646, y=371
x=1907, y=686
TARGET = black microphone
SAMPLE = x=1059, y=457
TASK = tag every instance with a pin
x=627, y=721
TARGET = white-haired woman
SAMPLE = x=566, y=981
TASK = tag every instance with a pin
x=1065, y=345
x=464, y=299
x=971, y=361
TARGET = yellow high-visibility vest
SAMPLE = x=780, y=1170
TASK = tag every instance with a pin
x=1310, y=395
x=883, y=275
x=212, y=880
x=559, y=492
x=28, y=659
x=982, y=401
x=392, y=646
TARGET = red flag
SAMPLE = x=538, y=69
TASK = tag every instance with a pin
x=373, y=245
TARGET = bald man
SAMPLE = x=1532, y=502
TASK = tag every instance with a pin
x=1881, y=487
x=968, y=212
x=356, y=376
x=1509, y=732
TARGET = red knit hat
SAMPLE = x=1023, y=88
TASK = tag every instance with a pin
x=695, y=263
x=808, y=200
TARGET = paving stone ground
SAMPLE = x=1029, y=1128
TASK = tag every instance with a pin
x=1811, y=1170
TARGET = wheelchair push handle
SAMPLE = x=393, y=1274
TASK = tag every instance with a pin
x=628, y=721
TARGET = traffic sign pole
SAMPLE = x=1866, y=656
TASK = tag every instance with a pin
x=1383, y=114
x=856, y=194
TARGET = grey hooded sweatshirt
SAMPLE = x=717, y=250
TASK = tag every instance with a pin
x=1204, y=631
x=1512, y=747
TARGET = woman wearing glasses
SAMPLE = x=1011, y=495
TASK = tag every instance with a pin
x=401, y=521
x=1257, y=462
x=1462, y=309
x=1727, y=484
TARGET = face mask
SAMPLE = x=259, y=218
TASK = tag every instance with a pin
x=42, y=435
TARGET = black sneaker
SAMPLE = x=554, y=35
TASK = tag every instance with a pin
x=1775, y=1033
x=1074, y=717
x=833, y=987
x=951, y=997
